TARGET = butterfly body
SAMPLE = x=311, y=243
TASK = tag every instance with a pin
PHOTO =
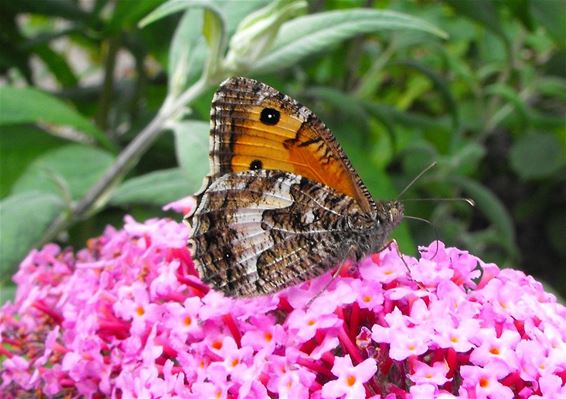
x=282, y=203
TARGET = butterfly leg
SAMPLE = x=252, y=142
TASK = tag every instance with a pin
x=336, y=273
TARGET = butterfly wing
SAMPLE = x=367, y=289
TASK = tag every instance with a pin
x=260, y=231
x=254, y=126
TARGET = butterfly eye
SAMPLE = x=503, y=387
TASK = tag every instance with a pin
x=227, y=255
x=270, y=116
x=256, y=164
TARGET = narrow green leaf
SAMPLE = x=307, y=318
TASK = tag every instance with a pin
x=511, y=95
x=191, y=146
x=156, y=188
x=128, y=13
x=492, y=208
x=536, y=156
x=78, y=166
x=314, y=33
x=442, y=87
x=214, y=31
x=57, y=65
x=28, y=105
x=187, y=53
x=25, y=217
x=174, y=6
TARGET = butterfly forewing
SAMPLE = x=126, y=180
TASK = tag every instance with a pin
x=253, y=126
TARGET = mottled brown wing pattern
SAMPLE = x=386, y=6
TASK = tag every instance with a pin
x=260, y=231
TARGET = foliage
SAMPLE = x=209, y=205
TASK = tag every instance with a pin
x=92, y=97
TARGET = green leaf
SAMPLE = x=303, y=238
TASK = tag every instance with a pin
x=492, y=208
x=465, y=158
x=19, y=146
x=512, y=97
x=442, y=87
x=53, y=8
x=27, y=105
x=314, y=33
x=156, y=188
x=484, y=12
x=57, y=65
x=24, y=217
x=536, y=156
x=76, y=167
x=187, y=53
x=191, y=146
x=214, y=31
x=550, y=14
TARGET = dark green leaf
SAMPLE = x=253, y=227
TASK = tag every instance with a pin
x=57, y=65
x=75, y=166
x=484, y=12
x=128, y=13
x=19, y=146
x=27, y=105
x=156, y=188
x=537, y=156
x=54, y=8
x=24, y=217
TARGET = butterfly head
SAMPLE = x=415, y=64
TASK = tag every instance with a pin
x=393, y=212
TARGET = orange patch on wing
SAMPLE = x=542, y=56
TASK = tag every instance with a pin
x=289, y=146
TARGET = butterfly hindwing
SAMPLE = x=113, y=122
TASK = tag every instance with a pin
x=260, y=231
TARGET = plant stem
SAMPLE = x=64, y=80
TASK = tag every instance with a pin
x=126, y=160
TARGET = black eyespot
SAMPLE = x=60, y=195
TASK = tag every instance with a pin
x=270, y=116
x=256, y=164
x=227, y=255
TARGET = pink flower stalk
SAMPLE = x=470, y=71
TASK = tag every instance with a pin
x=128, y=317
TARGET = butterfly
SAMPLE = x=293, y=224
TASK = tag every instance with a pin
x=282, y=203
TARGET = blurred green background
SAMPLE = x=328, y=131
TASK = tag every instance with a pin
x=478, y=86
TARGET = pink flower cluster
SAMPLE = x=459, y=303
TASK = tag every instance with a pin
x=128, y=317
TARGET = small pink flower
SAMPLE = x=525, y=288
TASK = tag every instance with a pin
x=493, y=348
x=483, y=382
x=551, y=387
x=350, y=379
x=134, y=304
x=127, y=316
x=303, y=325
x=390, y=269
x=425, y=374
x=183, y=206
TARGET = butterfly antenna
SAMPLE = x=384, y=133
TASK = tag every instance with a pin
x=417, y=177
x=468, y=201
x=435, y=232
